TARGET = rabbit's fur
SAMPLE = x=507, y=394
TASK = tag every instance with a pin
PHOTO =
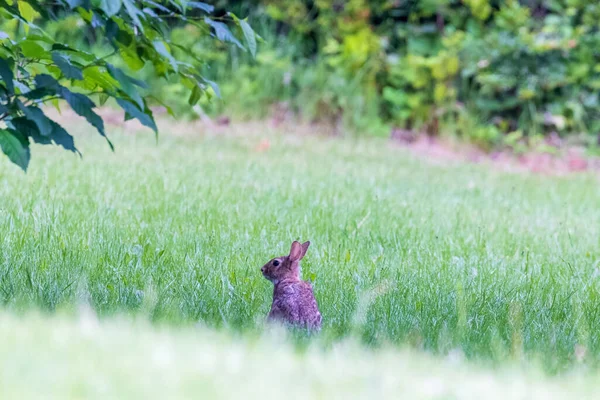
x=293, y=299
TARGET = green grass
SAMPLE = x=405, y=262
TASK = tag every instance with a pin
x=435, y=257
x=62, y=358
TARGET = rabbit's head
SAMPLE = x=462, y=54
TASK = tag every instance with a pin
x=286, y=266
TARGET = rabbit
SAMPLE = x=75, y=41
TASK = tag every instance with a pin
x=293, y=300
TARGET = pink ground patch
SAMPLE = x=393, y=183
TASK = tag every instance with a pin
x=567, y=160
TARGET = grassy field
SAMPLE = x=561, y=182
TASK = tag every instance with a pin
x=404, y=252
x=63, y=358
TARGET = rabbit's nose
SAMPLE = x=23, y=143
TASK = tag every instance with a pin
x=262, y=270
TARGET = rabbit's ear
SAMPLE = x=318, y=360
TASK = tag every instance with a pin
x=296, y=251
x=304, y=249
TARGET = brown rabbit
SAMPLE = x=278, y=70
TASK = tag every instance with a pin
x=293, y=298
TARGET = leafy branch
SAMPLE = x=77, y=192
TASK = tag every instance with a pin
x=36, y=69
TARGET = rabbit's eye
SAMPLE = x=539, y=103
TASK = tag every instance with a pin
x=275, y=263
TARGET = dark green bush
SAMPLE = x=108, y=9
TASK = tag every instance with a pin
x=484, y=70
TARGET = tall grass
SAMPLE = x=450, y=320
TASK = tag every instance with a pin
x=439, y=257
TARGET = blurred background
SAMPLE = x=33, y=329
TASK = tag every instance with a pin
x=491, y=72
x=495, y=73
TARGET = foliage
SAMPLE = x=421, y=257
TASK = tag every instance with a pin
x=39, y=66
x=487, y=71
x=482, y=69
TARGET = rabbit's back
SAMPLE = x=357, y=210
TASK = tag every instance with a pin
x=295, y=303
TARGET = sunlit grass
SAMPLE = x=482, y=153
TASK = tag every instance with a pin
x=437, y=257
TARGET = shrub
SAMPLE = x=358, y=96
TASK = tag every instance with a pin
x=528, y=66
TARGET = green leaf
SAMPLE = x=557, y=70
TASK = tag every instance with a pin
x=62, y=46
x=250, y=37
x=177, y=4
x=56, y=104
x=138, y=82
x=134, y=13
x=110, y=7
x=100, y=77
x=111, y=30
x=38, y=93
x=40, y=37
x=28, y=128
x=162, y=50
x=138, y=114
x=202, y=6
x=126, y=84
x=46, y=81
x=40, y=8
x=69, y=70
x=249, y=34
x=159, y=6
x=150, y=12
x=23, y=88
x=86, y=84
x=86, y=14
x=195, y=96
x=16, y=147
x=214, y=86
x=74, y=3
x=31, y=49
x=11, y=9
x=58, y=135
x=83, y=106
x=62, y=138
x=222, y=32
x=7, y=75
x=79, y=53
x=36, y=115
x=131, y=58
x=26, y=11
x=103, y=98
x=124, y=36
